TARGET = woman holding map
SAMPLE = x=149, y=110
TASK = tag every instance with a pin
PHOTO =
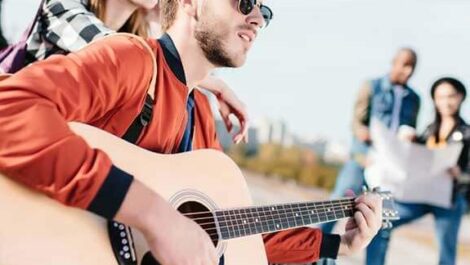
x=448, y=127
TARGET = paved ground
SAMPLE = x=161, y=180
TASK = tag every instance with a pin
x=412, y=244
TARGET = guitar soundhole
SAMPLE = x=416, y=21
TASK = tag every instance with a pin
x=202, y=216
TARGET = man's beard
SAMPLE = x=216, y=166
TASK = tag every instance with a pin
x=212, y=46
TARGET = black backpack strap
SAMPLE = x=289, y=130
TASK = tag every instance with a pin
x=133, y=132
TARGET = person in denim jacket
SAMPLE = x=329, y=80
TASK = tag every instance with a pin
x=388, y=99
x=448, y=127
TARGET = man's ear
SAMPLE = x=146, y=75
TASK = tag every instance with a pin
x=190, y=7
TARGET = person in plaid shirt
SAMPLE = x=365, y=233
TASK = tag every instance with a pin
x=69, y=25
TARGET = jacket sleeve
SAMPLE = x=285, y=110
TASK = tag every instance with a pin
x=464, y=160
x=37, y=147
x=361, y=113
x=300, y=245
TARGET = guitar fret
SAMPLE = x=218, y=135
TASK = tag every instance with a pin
x=338, y=209
x=269, y=219
x=255, y=220
x=306, y=217
x=323, y=212
x=340, y=213
x=229, y=222
x=332, y=210
x=275, y=218
x=233, y=221
x=314, y=212
x=290, y=216
x=245, y=222
x=243, y=227
x=283, y=218
x=239, y=222
x=290, y=213
x=260, y=217
x=349, y=210
x=296, y=214
x=263, y=218
x=251, y=220
x=258, y=223
x=222, y=225
x=346, y=209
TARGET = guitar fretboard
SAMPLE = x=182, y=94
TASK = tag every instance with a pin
x=241, y=222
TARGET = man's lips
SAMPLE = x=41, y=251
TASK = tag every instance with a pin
x=247, y=35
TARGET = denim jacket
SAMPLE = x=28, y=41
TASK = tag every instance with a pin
x=378, y=102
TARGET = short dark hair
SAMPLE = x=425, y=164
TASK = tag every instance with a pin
x=412, y=52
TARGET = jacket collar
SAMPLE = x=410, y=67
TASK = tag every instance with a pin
x=387, y=85
x=172, y=57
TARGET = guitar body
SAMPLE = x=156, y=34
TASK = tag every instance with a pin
x=35, y=229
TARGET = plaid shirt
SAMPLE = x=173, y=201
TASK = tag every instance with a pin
x=64, y=26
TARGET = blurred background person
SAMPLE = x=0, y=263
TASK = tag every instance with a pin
x=388, y=99
x=448, y=127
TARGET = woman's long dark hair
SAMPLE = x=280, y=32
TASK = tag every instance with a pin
x=459, y=88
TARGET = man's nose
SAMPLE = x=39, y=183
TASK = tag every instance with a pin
x=256, y=17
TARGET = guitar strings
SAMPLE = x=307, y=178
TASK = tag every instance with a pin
x=238, y=220
x=332, y=202
x=306, y=212
x=234, y=225
x=277, y=211
x=237, y=230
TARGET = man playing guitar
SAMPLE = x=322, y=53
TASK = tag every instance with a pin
x=106, y=85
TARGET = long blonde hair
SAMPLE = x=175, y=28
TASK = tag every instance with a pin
x=136, y=24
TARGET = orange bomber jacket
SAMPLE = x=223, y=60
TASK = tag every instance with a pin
x=105, y=85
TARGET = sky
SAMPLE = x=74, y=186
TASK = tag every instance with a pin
x=308, y=65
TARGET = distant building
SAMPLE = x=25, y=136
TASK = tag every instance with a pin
x=273, y=132
x=264, y=131
x=278, y=132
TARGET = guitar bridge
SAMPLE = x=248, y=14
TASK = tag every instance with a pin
x=122, y=243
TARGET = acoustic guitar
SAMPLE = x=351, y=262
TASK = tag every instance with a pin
x=205, y=185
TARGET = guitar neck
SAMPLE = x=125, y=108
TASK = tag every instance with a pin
x=240, y=222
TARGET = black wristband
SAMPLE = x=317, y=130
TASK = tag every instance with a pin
x=110, y=196
x=330, y=246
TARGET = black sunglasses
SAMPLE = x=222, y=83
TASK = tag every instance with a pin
x=246, y=6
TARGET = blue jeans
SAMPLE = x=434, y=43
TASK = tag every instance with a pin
x=447, y=224
x=351, y=177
